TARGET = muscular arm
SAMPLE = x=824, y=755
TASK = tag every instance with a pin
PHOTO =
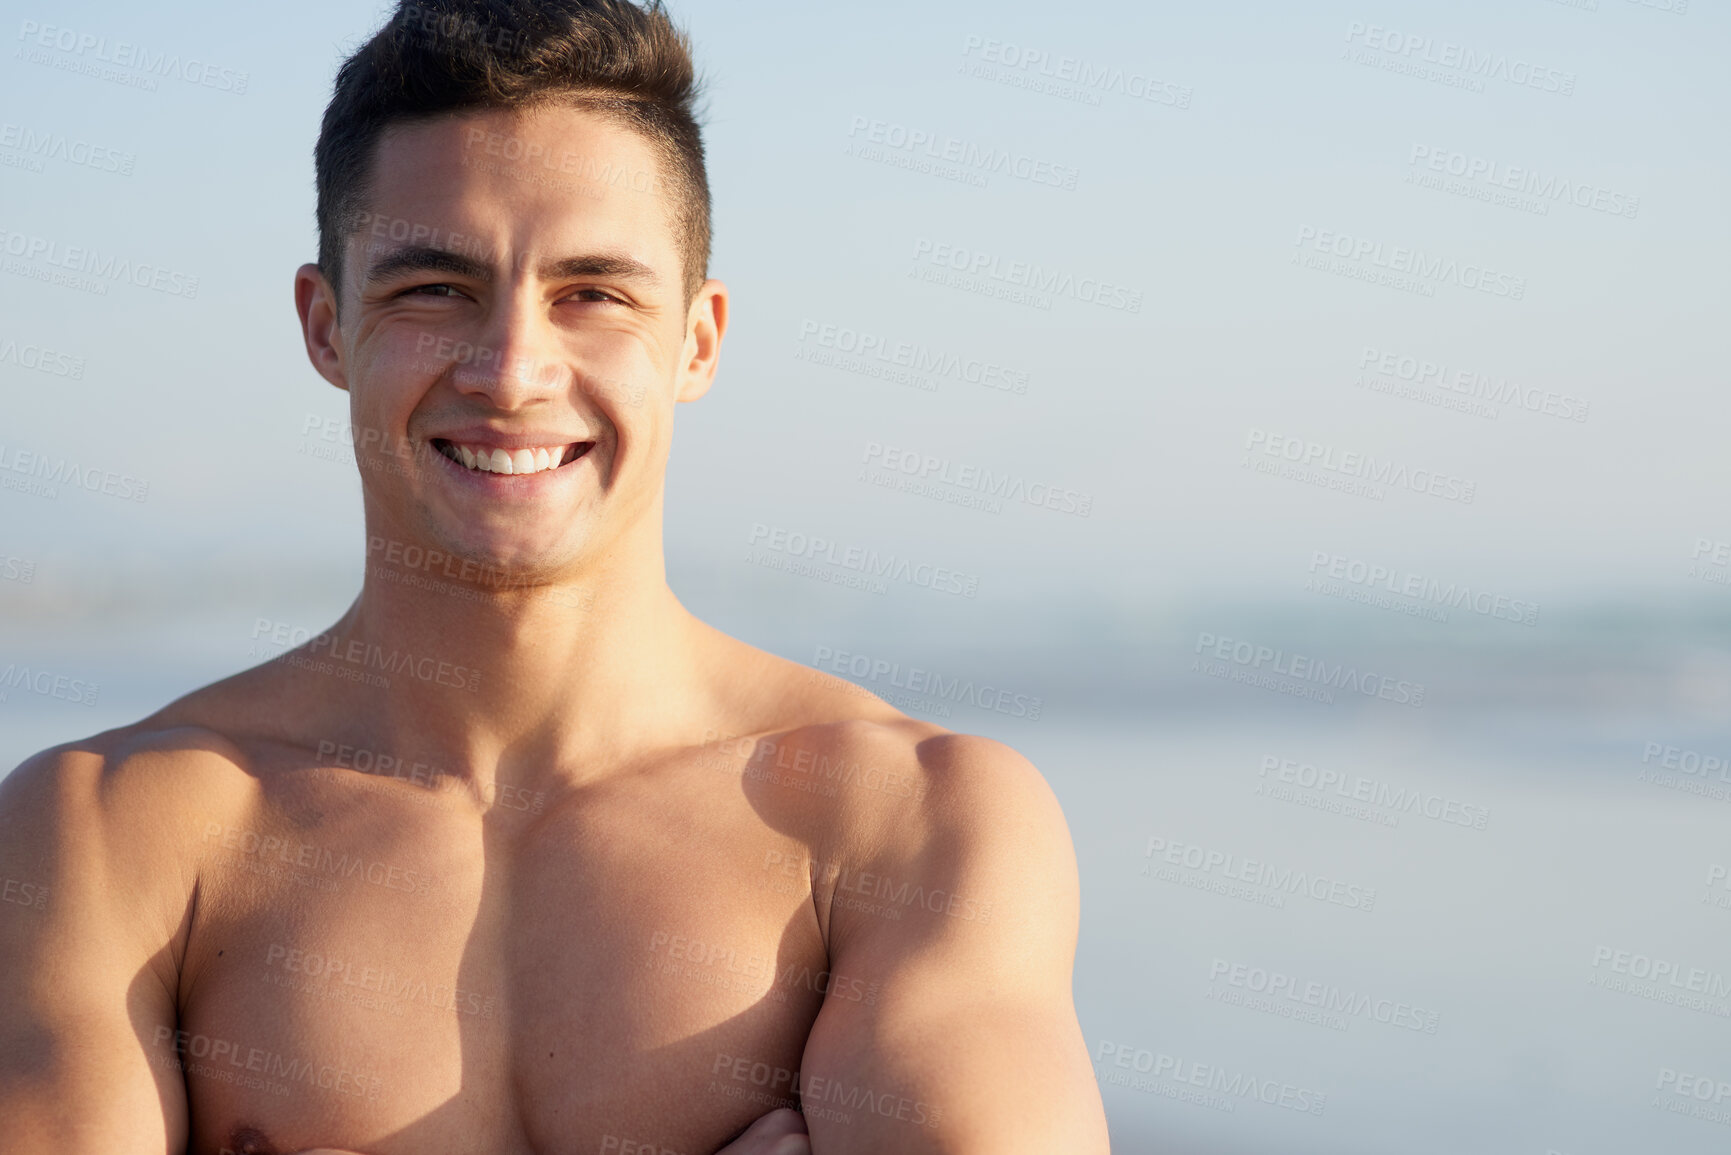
x=781, y=1132
x=87, y=975
x=969, y=1043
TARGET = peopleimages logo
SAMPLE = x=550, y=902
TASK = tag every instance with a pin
x=914, y=356
x=1255, y=872
x=46, y=473
x=929, y=683
x=531, y=154
x=1024, y=275
x=970, y=158
x=1359, y=467
x=1412, y=262
x=1701, y=1088
x=1371, y=792
x=1474, y=384
x=1688, y=761
x=48, y=684
x=1718, y=875
x=1329, y=998
x=80, y=259
x=358, y=656
x=1373, y=578
x=1673, y=974
x=41, y=145
x=435, y=25
x=41, y=359
x=1005, y=486
x=1470, y=63
x=89, y=47
x=868, y=564
x=1522, y=179
x=1302, y=668
x=1076, y=77
x=1232, y=1087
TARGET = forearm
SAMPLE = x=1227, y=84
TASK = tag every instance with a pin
x=781, y=1132
x=91, y=1111
x=979, y=1080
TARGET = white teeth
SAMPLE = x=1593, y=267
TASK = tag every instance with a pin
x=506, y=461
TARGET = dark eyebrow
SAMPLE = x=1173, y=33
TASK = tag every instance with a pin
x=420, y=258
x=599, y=265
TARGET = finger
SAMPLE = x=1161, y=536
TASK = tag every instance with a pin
x=781, y=1132
x=779, y=1122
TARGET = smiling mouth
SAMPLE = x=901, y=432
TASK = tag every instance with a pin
x=538, y=459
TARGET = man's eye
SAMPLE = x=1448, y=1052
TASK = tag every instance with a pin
x=432, y=290
x=593, y=295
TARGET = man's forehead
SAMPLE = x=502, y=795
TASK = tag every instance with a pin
x=546, y=145
x=574, y=115
x=560, y=191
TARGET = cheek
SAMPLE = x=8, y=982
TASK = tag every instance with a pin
x=619, y=380
x=409, y=351
x=609, y=357
x=643, y=436
x=391, y=375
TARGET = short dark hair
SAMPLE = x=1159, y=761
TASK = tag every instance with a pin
x=437, y=58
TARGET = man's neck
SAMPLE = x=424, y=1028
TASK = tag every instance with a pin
x=493, y=675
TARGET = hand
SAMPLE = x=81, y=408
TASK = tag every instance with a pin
x=781, y=1132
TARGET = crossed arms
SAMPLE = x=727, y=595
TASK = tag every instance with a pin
x=972, y=1047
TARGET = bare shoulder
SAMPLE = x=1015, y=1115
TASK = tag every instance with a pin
x=128, y=801
x=905, y=816
x=99, y=850
x=969, y=786
x=984, y=818
x=179, y=746
x=196, y=753
x=802, y=713
x=796, y=718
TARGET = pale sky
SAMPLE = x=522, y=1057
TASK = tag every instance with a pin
x=1198, y=211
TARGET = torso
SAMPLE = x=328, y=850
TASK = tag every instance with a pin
x=390, y=967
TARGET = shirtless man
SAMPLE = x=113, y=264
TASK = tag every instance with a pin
x=519, y=856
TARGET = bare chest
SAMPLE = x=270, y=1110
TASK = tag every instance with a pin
x=578, y=980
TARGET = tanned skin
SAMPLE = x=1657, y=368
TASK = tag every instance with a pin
x=520, y=856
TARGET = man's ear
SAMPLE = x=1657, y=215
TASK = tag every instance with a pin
x=316, y=302
x=705, y=324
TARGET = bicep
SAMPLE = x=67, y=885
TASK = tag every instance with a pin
x=965, y=937
x=86, y=1016
x=949, y=1069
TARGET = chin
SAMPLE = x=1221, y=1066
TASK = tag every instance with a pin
x=477, y=553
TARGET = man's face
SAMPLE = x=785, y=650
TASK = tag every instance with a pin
x=513, y=335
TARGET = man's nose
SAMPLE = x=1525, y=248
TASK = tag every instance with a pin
x=517, y=358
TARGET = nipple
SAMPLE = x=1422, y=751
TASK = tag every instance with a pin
x=248, y=1141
